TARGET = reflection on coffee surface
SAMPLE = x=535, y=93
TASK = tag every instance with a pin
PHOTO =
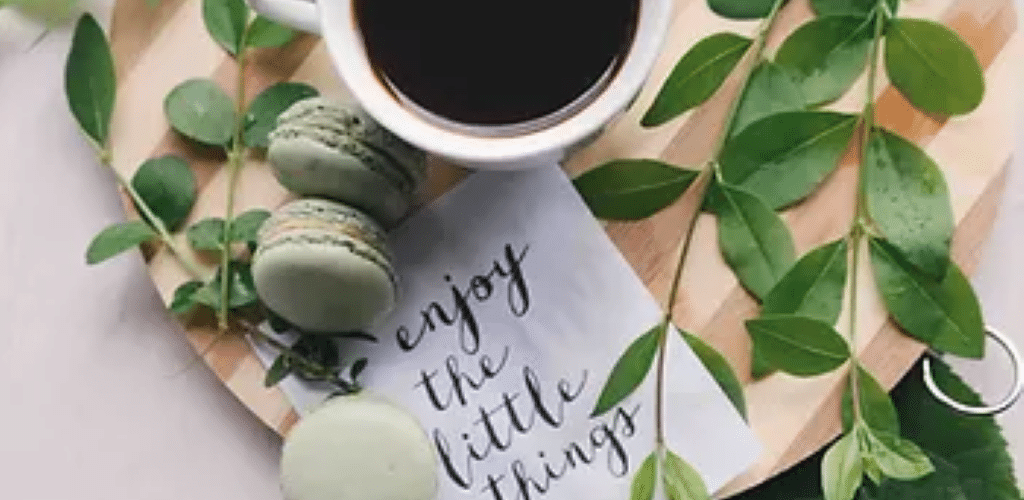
x=495, y=62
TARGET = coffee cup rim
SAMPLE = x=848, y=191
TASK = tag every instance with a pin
x=348, y=53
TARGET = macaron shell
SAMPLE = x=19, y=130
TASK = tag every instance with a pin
x=356, y=448
x=412, y=160
x=322, y=112
x=309, y=168
x=324, y=282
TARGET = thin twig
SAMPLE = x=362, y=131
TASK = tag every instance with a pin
x=860, y=218
x=181, y=254
x=309, y=366
x=700, y=186
x=236, y=161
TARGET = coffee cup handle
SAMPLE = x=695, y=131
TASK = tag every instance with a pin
x=302, y=15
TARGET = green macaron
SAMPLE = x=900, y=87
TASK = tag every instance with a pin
x=325, y=267
x=358, y=448
x=323, y=148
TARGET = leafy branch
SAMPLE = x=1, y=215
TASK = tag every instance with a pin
x=236, y=158
x=612, y=186
x=163, y=190
x=775, y=149
x=90, y=87
x=199, y=110
x=969, y=453
x=872, y=444
x=312, y=358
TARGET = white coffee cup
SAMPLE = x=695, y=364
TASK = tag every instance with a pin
x=507, y=147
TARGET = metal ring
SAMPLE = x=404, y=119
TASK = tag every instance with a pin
x=1006, y=403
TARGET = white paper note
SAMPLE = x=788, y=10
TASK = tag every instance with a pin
x=515, y=305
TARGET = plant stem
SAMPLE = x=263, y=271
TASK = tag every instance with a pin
x=701, y=185
x=860, y=218
x=181, y=254
x=236, y=160
x=322, y=372
x=758, y=55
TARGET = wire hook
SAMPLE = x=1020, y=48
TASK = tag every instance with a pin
x=1006, y=403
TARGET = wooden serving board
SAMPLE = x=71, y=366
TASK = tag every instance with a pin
x=157, y=48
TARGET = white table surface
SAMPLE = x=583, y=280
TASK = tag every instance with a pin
x=102, y=398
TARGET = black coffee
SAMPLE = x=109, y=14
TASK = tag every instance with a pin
x=495, y=61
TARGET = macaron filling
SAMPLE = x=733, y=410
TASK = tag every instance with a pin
x=327, y=217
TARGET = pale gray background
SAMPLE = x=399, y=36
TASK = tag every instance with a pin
x=100, y=396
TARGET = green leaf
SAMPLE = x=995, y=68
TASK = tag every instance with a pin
x=200, y=110
x=264, y=33
x=241, y=290
x=643, y=484
x=696, y=77
x=277, y=371
x=895, y=457
x=225, y=21
x=759, y=368
x=943, y=484
x=49, y=12
x=89, y=80
x=753, y=239
x=168, y=187
x=973, y=445
x=842, y=469
x=873, y=472
x=826, y=55
x=908, y=201
x=797, y=345
x=184, y=297
x=742, y=9
x=245, y=227
x=276, y=322
x=771, y=90
x=813, y=287
x=945, y=314
x=932, y=67
x=720, y=370
x=261, y=118
x=632, y=189
x=682, y=482
x=320, y=350
x=876, y=408
x=209, y=294
x=207, y=234
x=629, y=371
x=969, y=453
x=783, y=157
x=860, y=8
x=357, y=368
x=117, y=238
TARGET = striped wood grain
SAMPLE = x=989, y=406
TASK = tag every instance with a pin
x=157, y=48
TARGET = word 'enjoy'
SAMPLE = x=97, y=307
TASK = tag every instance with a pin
x=480, y=289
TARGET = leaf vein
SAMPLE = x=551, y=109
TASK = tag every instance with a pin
x=800, y=147
x=741, y=45
x=805, y=347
